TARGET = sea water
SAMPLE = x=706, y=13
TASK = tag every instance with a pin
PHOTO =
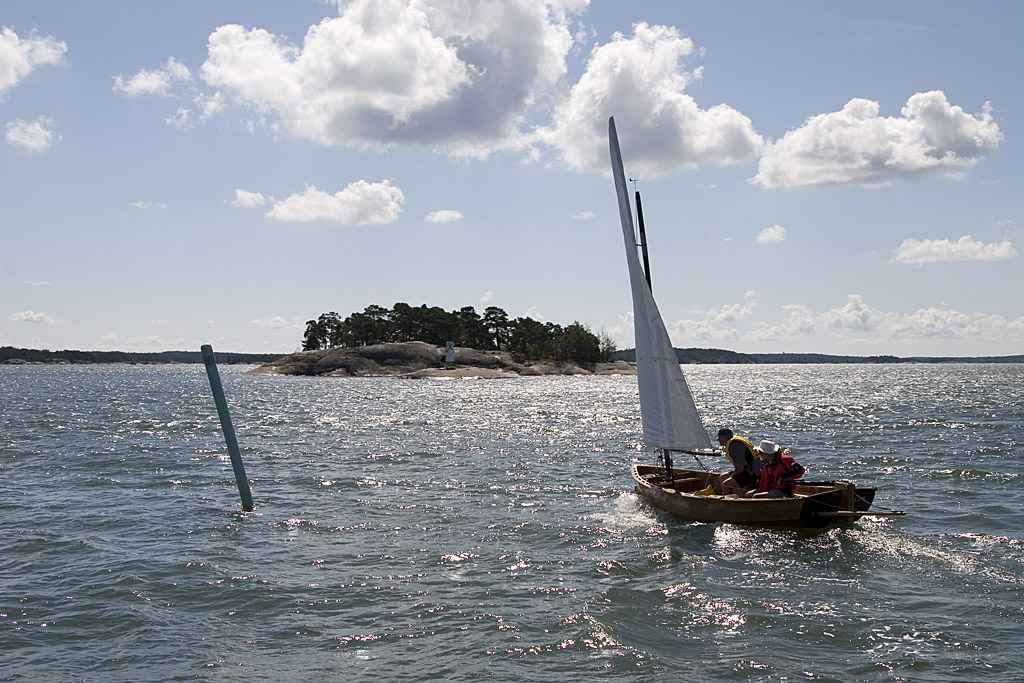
x=487, y=529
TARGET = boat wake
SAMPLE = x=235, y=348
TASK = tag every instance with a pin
x=627, y=512
x=979, y=557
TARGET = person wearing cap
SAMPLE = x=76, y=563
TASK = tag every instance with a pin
x=745, y=467
x=778, y=473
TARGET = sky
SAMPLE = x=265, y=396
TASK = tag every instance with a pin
x=817, y=177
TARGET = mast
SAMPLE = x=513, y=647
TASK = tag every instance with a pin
x=669, y=415
x=643, y=240
x=666, y=454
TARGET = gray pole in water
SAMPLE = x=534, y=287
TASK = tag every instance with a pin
x=229, y=430
x=643, y=239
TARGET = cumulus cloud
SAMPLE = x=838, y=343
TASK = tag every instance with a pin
x=683, y=332
x=797, y=320
x=534, y=312
x=21, y=56
x=248, y=200
x=584, y=216
x=438, y=73
x=277, y=322
x=641, y=81
x=205, y=106
x=621, y=330
x=148, y=205
x=32, y=317
x=853, y=315
x=31, y=136
x=914, y=251
x=444, y=216
x=857, y=320
x=852, y=321
x=734, y=312
x=857, y=145
x=713, y=325
x=359, y=203
x=773, y=234
x=942, y=322
x=152, y=81
x=181, y=119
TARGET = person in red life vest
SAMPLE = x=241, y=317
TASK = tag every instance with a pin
x=779, y=472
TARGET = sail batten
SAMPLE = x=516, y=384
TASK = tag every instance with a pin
x=670, y=418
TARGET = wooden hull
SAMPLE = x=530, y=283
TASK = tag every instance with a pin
x=814, y=505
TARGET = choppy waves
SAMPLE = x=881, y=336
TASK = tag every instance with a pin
x=486, y=529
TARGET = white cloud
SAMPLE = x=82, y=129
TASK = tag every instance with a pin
x=713, y=325
x=444, y=216
x=181, y=119
x=277, y=322
x=209, y=105
x=148, y=205
x=929, y=327
x=914, y=251
x=487, y=296
x=248, y=200
x=798, y=320
x=857, y=145
x=38, y=283
x=940, y=322
x=206, y=107
x=853, y=315
x=533, y=312
x=773, y=234
x=441, y=73
x=32, y=317
x=1008, y=226
x=734, y=312
x=686, y=332
x=621, y=330
x=584, y=216
x=360, y=203
x=640, y=81
x=31, y=136
x=855, y=320
x=152, y=81
x=20, y=56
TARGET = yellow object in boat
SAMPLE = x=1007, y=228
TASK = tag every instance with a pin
x=709, y=491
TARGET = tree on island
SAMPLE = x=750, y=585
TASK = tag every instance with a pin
x=524, y=337
x=498, y=326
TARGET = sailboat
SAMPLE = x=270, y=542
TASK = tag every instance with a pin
x=672, y=424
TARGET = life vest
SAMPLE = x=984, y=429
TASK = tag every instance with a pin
x=748, y=461
x=780, y=475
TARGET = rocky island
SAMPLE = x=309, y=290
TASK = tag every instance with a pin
x=417, y=359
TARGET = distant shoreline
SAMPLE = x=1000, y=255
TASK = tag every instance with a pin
x=10, y=355
x=696, y=356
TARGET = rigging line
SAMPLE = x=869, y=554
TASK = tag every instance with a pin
x=700, y=462
x=880, y=507
x=696, y=456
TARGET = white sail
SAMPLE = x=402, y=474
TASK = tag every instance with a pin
x=669, y=415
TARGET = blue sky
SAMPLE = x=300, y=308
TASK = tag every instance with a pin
x=873, y=148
